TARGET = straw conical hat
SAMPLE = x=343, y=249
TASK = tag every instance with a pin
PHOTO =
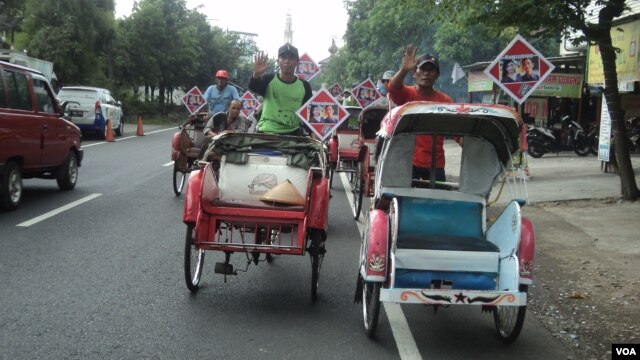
x=283, y=193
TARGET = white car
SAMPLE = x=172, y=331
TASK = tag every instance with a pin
x=90, y=107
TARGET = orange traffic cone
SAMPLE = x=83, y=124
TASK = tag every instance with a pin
x=109, y=133
x=140, y=131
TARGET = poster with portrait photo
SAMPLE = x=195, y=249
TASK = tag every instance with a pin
x=322, y=113
x=250, y=104
x=519, y=69
x=193, y=100
x=366, y=93
x=336, y=90
x=307, y=69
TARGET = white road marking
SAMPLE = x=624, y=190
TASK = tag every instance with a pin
x=170, y=163
x=58, y=211
x=129, y=137
x=407, y=347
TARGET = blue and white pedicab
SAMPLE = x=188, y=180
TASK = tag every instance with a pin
x=432, y=243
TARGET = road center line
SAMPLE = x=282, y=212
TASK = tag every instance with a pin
x=128, y=137
x=407, y=347
x=57, y=211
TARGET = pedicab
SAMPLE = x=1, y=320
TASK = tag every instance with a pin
x=344, y=147
x=269, y=196
x=185, y=148
x=362, y=180
x=432, y=243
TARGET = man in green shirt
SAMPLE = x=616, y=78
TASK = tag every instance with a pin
x=283, y=92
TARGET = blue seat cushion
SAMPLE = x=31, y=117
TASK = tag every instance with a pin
x=444, y=242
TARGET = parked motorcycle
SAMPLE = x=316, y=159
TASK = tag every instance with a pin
x=633, y=133
x=542, y=140
x=593, y=138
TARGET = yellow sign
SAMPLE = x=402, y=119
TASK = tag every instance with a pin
x=627, y=59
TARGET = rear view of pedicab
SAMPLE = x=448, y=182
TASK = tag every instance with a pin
x=269, y=196
x=185, y=148
x=362, y=181
x=344, y=146
x=431, y=243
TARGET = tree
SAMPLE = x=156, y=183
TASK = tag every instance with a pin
x=75, y=35
x=548, y=18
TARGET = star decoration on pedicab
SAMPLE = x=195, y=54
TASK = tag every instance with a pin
x=460, y=298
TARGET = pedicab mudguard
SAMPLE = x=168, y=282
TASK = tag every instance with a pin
x=175, y=146
x=192, y=195
x=318, y=202
x=526, y=251
x=374, y=262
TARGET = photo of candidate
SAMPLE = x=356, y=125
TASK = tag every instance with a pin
x=509, y=73
x=329, y=114
x=527, y=71
x=315, y=114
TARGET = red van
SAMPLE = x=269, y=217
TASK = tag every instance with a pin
x=35, y=139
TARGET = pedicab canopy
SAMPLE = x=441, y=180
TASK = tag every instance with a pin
x=302, y=152
x=490, y=134
x=498, y=124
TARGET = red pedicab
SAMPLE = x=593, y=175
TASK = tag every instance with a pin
x=362, y=182
x=185, y=148
x=344, y=147
x=269, y=196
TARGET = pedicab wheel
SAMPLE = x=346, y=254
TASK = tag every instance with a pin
x=179, y=179
x=509, y=320
x=357, y=188
x=370, y=306
x=193, y=261
x=316, y=252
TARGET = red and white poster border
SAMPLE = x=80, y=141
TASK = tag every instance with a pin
x=332, y=114
x=519, y=86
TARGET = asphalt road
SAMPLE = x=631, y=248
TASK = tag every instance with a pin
x=104, y=279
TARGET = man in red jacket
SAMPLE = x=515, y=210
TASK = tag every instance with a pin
x=425, y=70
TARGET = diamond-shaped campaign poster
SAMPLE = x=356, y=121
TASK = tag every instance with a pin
x=307, y=69
x=519, y=69
x=336, y=90
x=322, y=113
x=249, y=104
x=193, y=100
x=365, y=93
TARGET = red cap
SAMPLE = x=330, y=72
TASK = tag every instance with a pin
x=222, y=74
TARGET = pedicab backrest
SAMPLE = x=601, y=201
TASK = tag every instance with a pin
x=491, y=135
x=251, y=164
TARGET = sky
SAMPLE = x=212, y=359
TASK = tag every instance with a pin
x=315, y=23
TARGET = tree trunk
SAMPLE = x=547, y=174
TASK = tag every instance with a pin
x=628, y=186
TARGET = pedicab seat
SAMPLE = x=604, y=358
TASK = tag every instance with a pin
x=348, y=145
x=440, y=240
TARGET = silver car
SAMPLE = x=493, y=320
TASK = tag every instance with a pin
x=90, y=107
